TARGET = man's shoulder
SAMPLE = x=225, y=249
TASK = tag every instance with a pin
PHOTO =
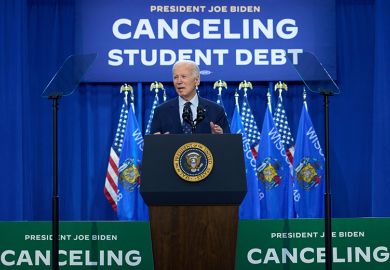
x=210, y=103
x=167, y=104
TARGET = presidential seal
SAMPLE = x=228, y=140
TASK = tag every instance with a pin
x=308, y=172
x=193, y=162
x=270, y=172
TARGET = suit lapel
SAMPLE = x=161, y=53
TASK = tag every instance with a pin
x=202, y=103
x=174, y=111
x=204, y=126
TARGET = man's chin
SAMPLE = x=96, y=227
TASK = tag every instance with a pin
x=181, y=93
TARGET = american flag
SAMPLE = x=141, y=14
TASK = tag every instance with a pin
x=156, y=101
x=248, y=120
x=219, y=101
x=281, y=122
x=111, y=184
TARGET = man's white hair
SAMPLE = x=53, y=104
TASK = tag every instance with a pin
x=195, y=68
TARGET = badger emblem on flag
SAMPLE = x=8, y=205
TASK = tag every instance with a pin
x=129, y=174
x=269, y=172
x=308, y=173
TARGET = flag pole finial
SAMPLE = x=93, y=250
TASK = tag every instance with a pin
x=164, y=95
x=126, y=88
x=280, y=86
x=304, y=97
x=220, y=85
x=236, y=95
x=245, y=85
x=156, y=86
x=269, y=100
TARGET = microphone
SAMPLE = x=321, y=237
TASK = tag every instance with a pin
x=187, y=115
x=200, y=114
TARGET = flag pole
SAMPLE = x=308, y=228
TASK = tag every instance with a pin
x=111, y=182
x=269, y=100
x=156, y=87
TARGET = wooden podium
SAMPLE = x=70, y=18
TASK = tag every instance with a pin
x=193, y=224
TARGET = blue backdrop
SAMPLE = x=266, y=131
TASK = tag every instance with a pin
x=38, y=35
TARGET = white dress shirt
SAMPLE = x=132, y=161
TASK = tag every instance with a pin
x=194, y=105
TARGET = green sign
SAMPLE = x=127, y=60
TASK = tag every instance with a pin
x=298, y=244
x=82, y=245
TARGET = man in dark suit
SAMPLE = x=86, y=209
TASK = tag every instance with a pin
x=180, y=115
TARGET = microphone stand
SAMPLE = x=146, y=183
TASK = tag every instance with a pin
x=194, y=123
x=187, y=118
x=199, y=117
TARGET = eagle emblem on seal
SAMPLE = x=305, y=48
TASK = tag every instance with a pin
x=193, y=161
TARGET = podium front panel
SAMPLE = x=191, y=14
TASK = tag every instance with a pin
x=161, y=185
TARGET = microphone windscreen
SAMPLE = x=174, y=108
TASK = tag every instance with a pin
x=186, y=114
x=201, y=113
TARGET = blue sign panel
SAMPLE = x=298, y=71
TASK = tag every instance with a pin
x=139, y=40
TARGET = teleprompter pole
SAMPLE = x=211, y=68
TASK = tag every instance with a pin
x=55, y=202
x=327, y=195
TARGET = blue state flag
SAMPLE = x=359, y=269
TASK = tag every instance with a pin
x=250, y=207
x=130, y=203
x=273, y=173
x=309, y=173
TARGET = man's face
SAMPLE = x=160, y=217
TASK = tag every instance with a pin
x=185, y=81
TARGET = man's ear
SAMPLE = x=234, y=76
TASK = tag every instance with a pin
x=197, y=81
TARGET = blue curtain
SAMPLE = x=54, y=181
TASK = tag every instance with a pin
x=381, y=112
x=14, y=195
x=38, y=35
x=351, y=111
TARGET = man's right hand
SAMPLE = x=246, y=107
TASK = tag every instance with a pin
x=215, y=129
